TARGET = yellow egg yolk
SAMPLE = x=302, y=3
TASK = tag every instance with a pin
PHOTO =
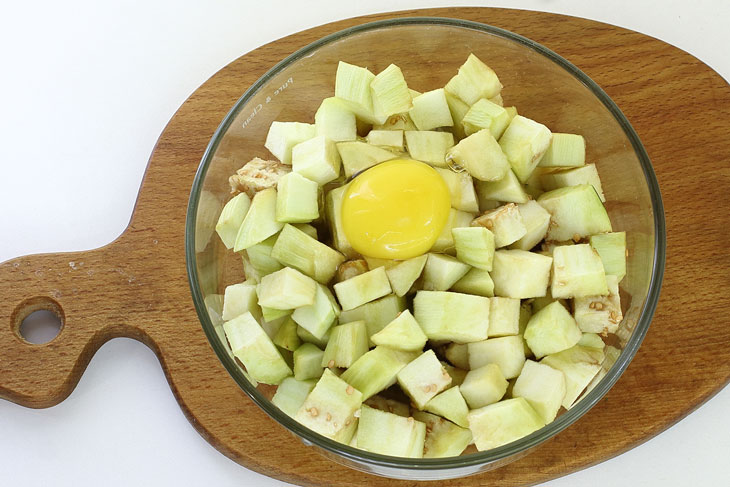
x=395, y=210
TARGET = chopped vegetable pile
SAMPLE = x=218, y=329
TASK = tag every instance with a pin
x=412, y=325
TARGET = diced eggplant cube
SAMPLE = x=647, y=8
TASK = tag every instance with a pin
x=587, y=174
x=505, y=223
x=612, y=249
x=390, y=434
x=403, y=333
x=485, y=114
x=330, y=408
x=430, y=110
x=390, y=93
x=524, y=142
x=376, y=314
x=253, y=347
x=286, y=289
x=476, y=281
x=286, y=336
x=451, y=405
x=297, y=199
x=551, y=330
x=536, y=221
x=575, y=212
x=377, y=370
x=474, y=246
x=483, y=386
x=260, y=258
x=451, y=316
x=579, y=365
x=335, y=120
x=283, y=136
x=388, y=139
x=231, y=218
x=599, y=314
x=443, y=438
x=503, y=422
x=480, y=155
x=308, y=362
x=404, y=274
x=565, y=150
x=577, y=272
x=543, y=387
x=506, y=352
x=458, y=111
x=504, y=317
x=429, y=146
x=317, y=159
x=423, y=378
x=442, y=271
x=291, y=393
x=347, y=343
x=475, y=80
x=260, y=221
x=508, y=189
x=461, y=189
x=520, y=274
x=362, y=288
x=352, y=86
x=239, y=298
x=318, y=317
x=296, y=249
x=458, y=354
x=358, y=156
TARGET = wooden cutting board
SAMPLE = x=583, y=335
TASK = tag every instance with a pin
x=137, y=286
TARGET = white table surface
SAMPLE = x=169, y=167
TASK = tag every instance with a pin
x=86, y=88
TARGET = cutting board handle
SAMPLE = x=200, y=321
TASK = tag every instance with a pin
x=67, y=284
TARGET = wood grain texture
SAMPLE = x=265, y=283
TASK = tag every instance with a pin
x=137, y=286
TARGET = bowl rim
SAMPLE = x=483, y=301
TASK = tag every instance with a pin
x=526, y=443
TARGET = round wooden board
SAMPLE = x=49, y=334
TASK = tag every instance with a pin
x=137, y=286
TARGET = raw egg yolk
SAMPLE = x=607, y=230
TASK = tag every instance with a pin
x=395, y=210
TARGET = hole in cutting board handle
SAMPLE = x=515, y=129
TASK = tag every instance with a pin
x=40, y=327
x=38, y=320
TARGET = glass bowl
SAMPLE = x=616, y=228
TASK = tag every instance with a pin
x=542, y=85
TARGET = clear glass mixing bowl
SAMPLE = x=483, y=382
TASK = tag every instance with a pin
x=543, y=86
